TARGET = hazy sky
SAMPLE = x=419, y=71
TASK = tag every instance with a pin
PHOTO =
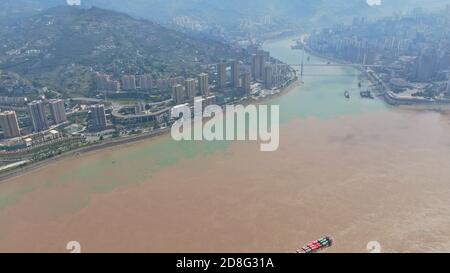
x=374, y=2
x=73, y=2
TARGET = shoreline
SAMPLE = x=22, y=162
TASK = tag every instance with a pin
x=78, y=152
x=33, y=166
x=385, y=92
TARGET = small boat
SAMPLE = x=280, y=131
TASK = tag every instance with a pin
x=316, y=246
x=366, y=95
x=347, y=94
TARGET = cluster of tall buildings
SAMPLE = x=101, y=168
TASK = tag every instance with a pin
x=262, y=69
x=167, y=83
x=231, y=75
x=352, y=49
x=238, y=79
x=127, y=82
x=135, y=82
x=13, y=100
x=276, y=74
x=104, y=83
x=269, y=73
x=411, y=47
x=38, y=117
x=145, y=82
x=141, y=82
x=132, y=82
x=428, y=64
x=191, y=87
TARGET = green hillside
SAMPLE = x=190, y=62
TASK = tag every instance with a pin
x=61, y=47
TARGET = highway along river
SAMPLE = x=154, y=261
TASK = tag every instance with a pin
x=357, y=170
